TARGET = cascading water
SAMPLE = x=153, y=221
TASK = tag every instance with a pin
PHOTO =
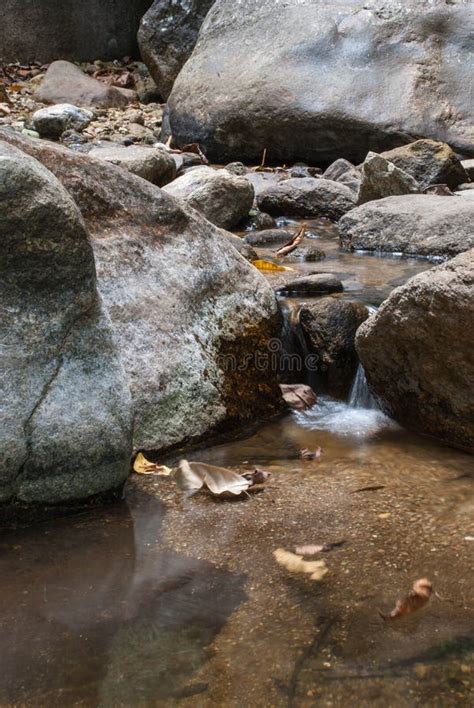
x=360, y=416
x=360, y=396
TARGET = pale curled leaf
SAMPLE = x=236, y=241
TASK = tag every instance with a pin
x=144, y=466
x=218, y=480
x=295, y=564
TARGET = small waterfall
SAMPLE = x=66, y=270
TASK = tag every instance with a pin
x=360, y=396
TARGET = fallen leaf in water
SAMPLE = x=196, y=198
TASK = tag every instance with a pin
x=258, y=476
x=268, y=265
x=298, y=396
x=415, y=600
x=292, y=244
x=311, y=550
x=311, y=454
x=144, y=466
x=221, y=482
x=295, y=564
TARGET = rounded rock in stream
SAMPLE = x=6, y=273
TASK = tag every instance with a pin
x=329, y=326
x=316, y=284
x=417, y=352
x=65, y=403
x=307, y=197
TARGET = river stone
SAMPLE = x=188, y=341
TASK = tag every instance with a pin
x=167, y=35
x=307, y=197
x=314, y=284
x=153, y=164
x=64, y=404
x=51, y=122
x=429, y=162
x=189, y=313
x=468, y=166
x=417, y=352
x=306, y=252
x=66, y=83
x=329, y=326
x=45, y=30
x=381, y=178
x=316, y=80
x=223, y=198
x=268, y=237
x=414, y=224
x=344, y=172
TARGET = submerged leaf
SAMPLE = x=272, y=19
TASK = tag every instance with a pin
x=268, y=265
x=295, y=564
x=415, y=600
x=144, y=466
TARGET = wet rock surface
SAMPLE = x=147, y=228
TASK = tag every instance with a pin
x=417, y=355
x=237, y=98
x=423, y=225
x=329, y=326
x=65, y=404
x=312, y=284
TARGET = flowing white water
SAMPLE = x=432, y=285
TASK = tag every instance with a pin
x=360, y=396
x=359, y=417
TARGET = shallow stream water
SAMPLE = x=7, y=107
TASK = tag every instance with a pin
x=167, y=601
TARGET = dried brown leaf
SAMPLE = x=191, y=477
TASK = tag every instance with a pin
x=417, y=598
x=144, y=466
x=292, y=244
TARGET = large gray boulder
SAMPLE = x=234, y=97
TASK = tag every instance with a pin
x=156, y=165
x=307, y=197
x=418, y=356
x=189, y=313
x=222, y=197
x=321, y=79
x=45, y=30
x=65, y=429
x=414, y=224
x=167, y=35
